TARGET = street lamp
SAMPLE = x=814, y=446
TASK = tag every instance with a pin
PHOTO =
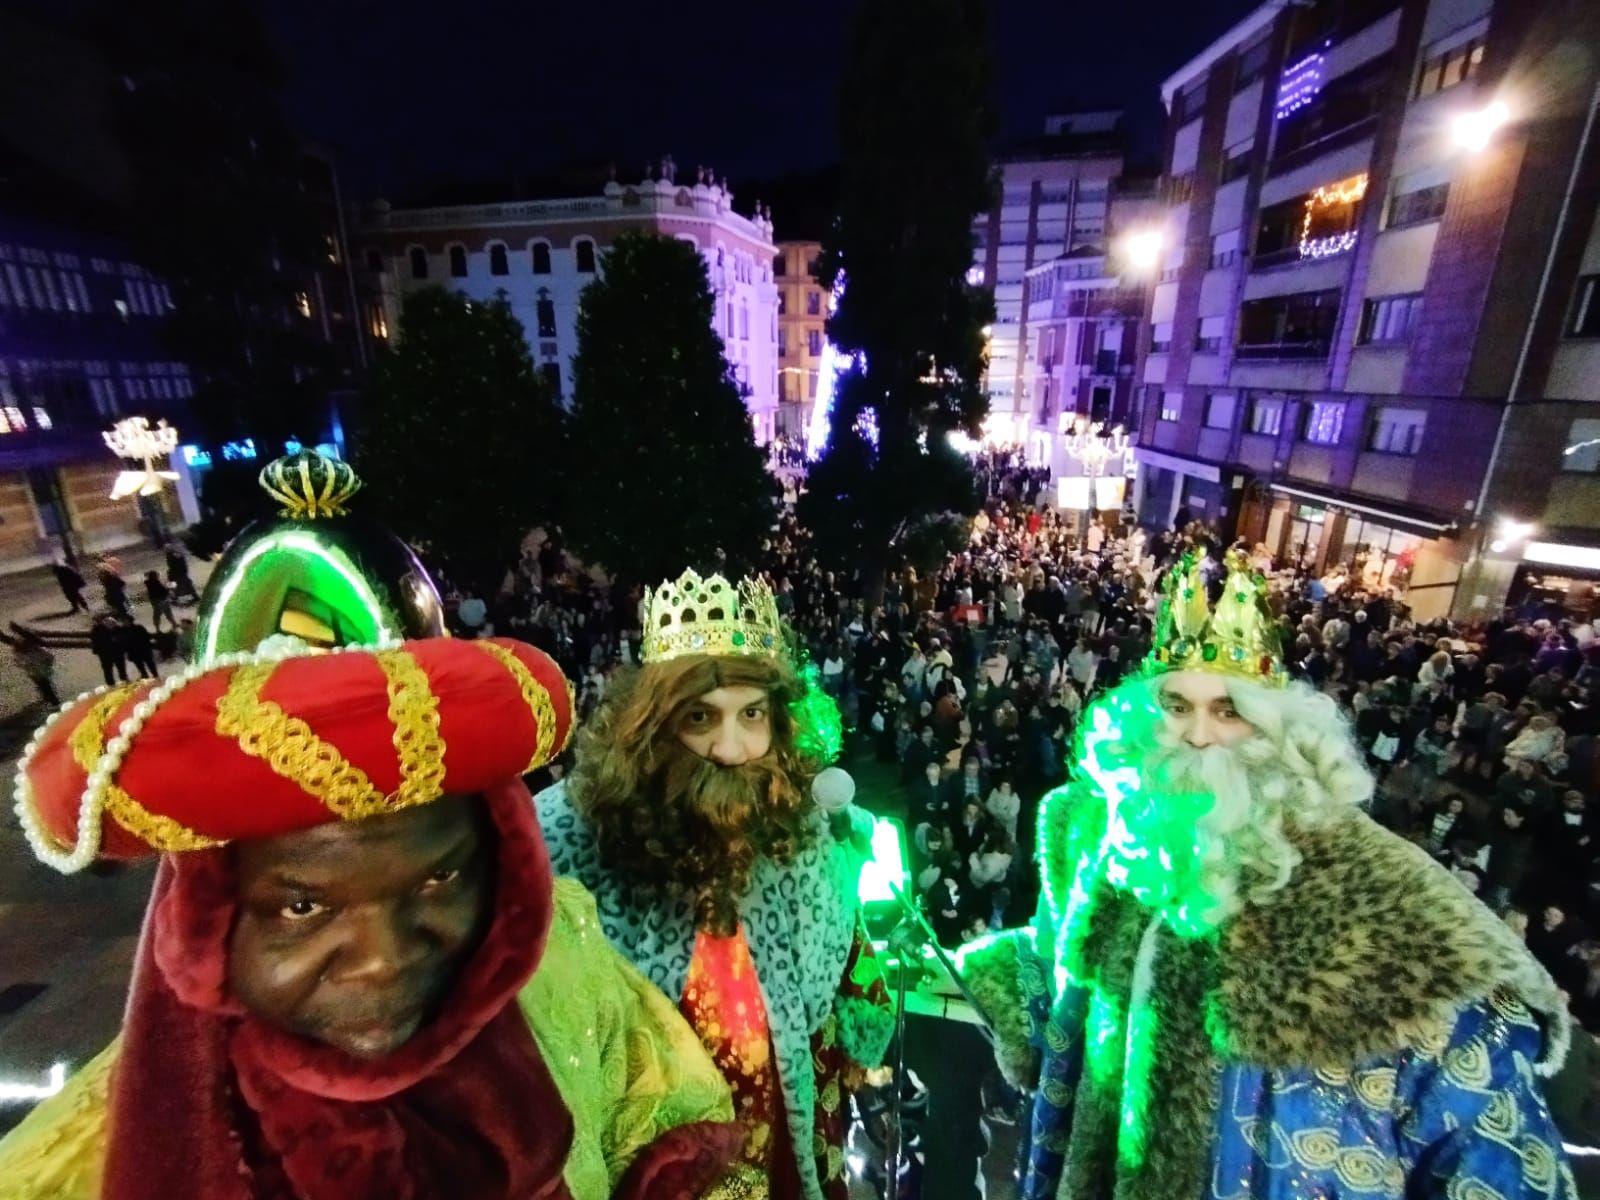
x=1141, y=251
x=1473, y=131
x=1094, y=447
x=1508, y=532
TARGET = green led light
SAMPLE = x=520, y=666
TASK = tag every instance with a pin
x=887, y=864
x=298, y=542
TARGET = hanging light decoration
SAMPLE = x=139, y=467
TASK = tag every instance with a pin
x=133, y=438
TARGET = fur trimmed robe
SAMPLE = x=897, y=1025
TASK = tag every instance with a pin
x=1371, y=1028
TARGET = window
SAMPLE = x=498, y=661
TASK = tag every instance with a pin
x=498, y=265
x=1225, y=249
x=585, y=253
x=1266, y=415
x=1389, y=318
x=378, y=321
x=1171, y=406
x=1208, y=335
x=419, y=263
x=783, y=304
x=1180, y=188
x=1582, y=451
x=546, y=310
x=1446, y=68
x=1586, y=309
x=1187, y=104
x=1397, y=430
x=744, y=323
x=1160, y=337
x=458, y=262
x=552, y=377
x=1252, y=62
x=1418, y=197
x=1236, y=162
x=813, y=302
x=811, y=385
x=814, y=343
x=1220, y=408
x=778, y=267
x=541, y=258
x=812, y=264
x=1295, y=326
x=1324, y=422
x=302, y=303
x=783, y=343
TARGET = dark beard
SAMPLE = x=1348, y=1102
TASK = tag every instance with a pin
x=700, y=828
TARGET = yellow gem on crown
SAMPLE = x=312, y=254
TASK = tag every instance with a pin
x=1239, y=637
x=690, y=615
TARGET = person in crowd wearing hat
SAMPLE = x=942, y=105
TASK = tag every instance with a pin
x=1237, y=983
x=358, y=976
x=689, y=813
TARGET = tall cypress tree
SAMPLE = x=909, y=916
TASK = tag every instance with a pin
x=664, y=466
x=914, y=122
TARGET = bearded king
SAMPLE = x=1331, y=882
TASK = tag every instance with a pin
x=689, y=815
x=1238, y=985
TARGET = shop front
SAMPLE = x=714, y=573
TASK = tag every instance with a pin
x=1555, y=580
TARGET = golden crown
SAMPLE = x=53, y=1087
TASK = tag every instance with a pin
x=1239, y=637
x=690, y=615
x=309, y=485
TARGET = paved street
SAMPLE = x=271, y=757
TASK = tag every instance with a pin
x=66, y=945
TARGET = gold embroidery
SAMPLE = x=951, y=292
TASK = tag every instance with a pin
x=1360, y=1167
x=414, y=710
x=537, y=697
x=1375, y=1087
x=88, y=744
x=288, y=745
x=1315, y=1148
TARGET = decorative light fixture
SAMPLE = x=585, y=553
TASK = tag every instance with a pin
x=133, y=438
x=1350, y=191
x=1473, y=131
x=1094, y=447
x=1299, y=84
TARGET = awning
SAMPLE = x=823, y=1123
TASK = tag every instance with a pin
x=1430, y=525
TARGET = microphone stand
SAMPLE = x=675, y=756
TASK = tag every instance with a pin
x=908, y=938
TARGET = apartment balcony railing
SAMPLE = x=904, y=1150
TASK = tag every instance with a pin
x=1312, y=349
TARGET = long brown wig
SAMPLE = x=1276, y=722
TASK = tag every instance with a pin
x=667, y=819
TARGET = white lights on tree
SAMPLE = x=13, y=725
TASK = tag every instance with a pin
x=133, y=438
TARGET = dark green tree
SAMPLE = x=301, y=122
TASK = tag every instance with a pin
x=458, y=438
x=914, y=121
x=227, y=209
x=672, y=475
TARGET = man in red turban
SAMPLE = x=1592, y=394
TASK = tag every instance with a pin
x=357, y=977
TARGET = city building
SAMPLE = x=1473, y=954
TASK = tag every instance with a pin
x=802, y=315
x=1372, y=341
x=542, y=253
x=1053, y=198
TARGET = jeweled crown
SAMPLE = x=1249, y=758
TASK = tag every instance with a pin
x=309, y=485
x=691, y=615
x=1238, y=637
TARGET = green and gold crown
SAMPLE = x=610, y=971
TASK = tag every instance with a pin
x=690, y=615
x=310, y=485
x=1239, y=637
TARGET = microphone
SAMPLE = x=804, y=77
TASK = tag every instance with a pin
x=833, y=789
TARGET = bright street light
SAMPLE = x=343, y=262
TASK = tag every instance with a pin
x=1141, y=251
x=1507, y=532
x=1474, y=130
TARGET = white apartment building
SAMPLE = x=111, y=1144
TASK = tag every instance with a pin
x=541, y=254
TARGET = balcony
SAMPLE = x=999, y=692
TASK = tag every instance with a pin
x=1314, y=348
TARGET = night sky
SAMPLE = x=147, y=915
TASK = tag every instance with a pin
x=407, y=93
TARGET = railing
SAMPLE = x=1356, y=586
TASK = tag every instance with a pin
x=1316, y=348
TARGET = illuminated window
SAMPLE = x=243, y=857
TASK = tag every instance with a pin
x=541, y=258
x=302, y=303
x=584, y=251
x=458, y=262
x=546, y=311
x=378, y=321
x=1446, y=68
x=498, y=264
x=14, y=420
x=1266, y=415
x=1324, y=422
x=1171, y=406
x=1586, y=309
x=41, y=418
x=1390, y=318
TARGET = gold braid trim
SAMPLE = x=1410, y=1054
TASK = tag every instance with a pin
x=740, y=1183
x=88, y=744
x=288, y=745
x=537, y=697
x=414, y=709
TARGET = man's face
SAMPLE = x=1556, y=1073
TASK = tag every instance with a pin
x=932, y=772
x=353, y=934
x=1197, y=709
x=1572, y=800
x=730, y=725
x=1552, y=916
x=971, y=768
x=1525, y=768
